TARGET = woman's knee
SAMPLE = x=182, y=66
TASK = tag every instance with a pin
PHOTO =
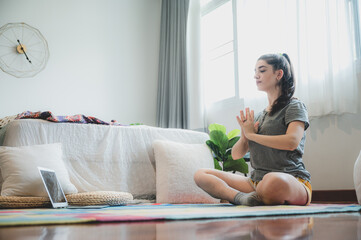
x=199, y=175
x=276, y=180
x=274, y=188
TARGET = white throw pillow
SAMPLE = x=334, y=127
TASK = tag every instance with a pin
x=20, y=173
x=176, y=164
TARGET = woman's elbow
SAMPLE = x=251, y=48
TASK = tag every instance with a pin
x=293, y=144
x=235, y=155
x=291, y=148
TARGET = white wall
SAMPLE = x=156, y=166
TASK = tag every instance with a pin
x=103, y=59
x=332, y=146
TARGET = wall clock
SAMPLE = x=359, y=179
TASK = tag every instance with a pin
x=24, y=51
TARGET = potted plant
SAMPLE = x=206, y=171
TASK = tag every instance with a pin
x=221, y=145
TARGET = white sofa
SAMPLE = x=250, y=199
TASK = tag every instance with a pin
x=102, y=157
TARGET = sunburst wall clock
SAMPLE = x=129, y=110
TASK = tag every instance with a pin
x=24, y=51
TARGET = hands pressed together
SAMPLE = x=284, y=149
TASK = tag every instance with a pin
x=246, y=121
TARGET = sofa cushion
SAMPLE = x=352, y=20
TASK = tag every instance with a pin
x=176, y=164
x=20, y=173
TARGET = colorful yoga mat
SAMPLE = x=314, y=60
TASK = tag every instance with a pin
x=150, y=212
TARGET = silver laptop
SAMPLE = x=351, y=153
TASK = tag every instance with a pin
x=55, y=191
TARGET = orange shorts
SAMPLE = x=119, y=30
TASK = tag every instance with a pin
x=305, y=183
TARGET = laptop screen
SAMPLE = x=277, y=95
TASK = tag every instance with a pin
x=53, y=187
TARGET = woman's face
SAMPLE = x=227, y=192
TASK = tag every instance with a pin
x=266, y=78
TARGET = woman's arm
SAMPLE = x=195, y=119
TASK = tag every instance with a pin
x=288, y=141
x=240, y=148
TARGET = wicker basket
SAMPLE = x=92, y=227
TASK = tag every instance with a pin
x=99, y=198
x=24, y=202
x=79, y=199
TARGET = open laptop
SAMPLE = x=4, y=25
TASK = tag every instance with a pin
x=55, y=191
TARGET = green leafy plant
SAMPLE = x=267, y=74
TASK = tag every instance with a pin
x=221, y=145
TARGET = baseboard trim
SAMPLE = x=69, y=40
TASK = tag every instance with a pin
x=334, y=196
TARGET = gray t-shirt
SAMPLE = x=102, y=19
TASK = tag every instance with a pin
x=265, y=159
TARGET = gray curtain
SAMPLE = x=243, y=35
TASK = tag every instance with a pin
x=172, y=105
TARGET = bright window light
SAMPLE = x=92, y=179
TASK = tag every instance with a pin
x=218, y=54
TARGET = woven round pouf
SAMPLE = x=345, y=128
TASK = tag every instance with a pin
x=24, y=202
x=110, y=198
x=99, y=198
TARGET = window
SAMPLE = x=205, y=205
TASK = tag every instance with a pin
x=321, y=37
x=218, y=51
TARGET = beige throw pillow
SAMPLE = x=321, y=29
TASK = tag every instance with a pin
x=176, y=164
x=20, y=174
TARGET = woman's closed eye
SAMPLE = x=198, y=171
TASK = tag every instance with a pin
x=260, y=69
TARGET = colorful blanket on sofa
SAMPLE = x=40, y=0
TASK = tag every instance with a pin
x=156, y=212
x=78, y=118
